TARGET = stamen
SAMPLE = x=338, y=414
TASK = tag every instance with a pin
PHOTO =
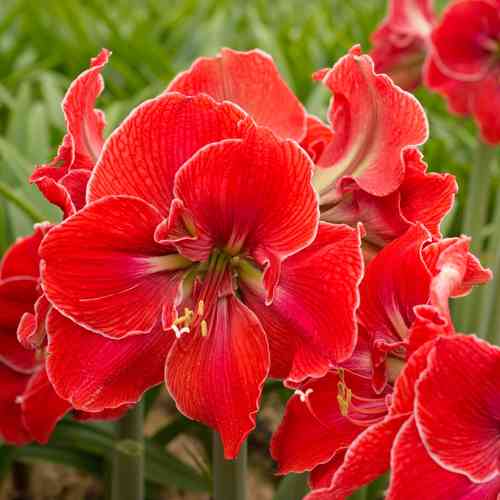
x=344, y=396
x=303, y=395
x=204, y=328
x=179, y=331
x=201, y=307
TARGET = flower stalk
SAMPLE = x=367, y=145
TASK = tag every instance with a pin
x=229, y=476
x=127, y=476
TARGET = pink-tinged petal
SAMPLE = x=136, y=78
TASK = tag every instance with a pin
x=461, y=40
x=42, y=408
x=484, y=104
x=12, y=428
x=218, y=378
x=318, y=136
x=104, y=415
x=411, y=17
x=322, y=475
x=252, y=81
x=396, y=280
x=109, y=244
x=430, y=322
x=85, y=123
x=305, y=334
x=143, y=154
x=95, y=373
x=22, y=258
x=438, y=191
x=374, y=122
x=313, y=428
x=252, y=195
x=31, y=328
x=366, y=459
x=411, y=466
x=460, y=429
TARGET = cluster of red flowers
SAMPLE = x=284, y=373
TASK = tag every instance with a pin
x=457, y=56
x=221, y=236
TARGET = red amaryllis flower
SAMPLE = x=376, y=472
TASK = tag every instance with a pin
x=367, y=167
x=451, y=445
x=464, y=66
x=29, y=406
x=400, y=44
x=64, y=180
x=200, y=239
x=252, y=81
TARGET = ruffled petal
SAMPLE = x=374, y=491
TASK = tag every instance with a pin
x=300, y=324
x=366, y=459
x=485, y=102
x=252, y=195
x=460, y=41
x=42, y=408
x=313, y=429
x=318, y=136
x=22, y=258
x=218, y=378
x=31, y=328
x=374, y=121
x=252, y=81
x=95, y=373
x=12, y=428
x=110, y=245
x=460, y=430
x=104, y=415
x=322, y=475
x=143, y=154
x=411, y=465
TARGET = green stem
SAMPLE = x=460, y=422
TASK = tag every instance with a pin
x=475, y=216
x=25, y=207
x=127, y=473
x=229, y=475
x=292, y=487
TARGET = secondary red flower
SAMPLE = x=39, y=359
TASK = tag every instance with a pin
x=464, y=66
x=367, y=167
x=29, y=406
x=64, y=180
x=452, y=442
x=203, y=227
x=252, y=81
x=400, y=44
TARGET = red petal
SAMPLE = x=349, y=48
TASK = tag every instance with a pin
x=411, y=466
x=252, y=195
x=104, y=415
x=485, y=102
x=411, y=17
x=22, y=258
x=305, y=334
x=374, y=122
x=217, y=379
x=103, y=261
x=42, y=407
x=396, y=280
x=366, y=459
x=250, y=80
x=318, y=136
x=103, y=373
x=12, y=428
x=143, y=155
x=460, y=429
x=313, y=429
x=322, y=475
x=460, y=40
x=31, y=327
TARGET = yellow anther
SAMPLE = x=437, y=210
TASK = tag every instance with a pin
x=204, y=328
x=201, y=308
x=344, y=395
x=186, y=318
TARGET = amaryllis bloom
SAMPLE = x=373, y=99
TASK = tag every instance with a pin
x=464, y=65
x=451, y=443
x=350, y=420
x=29, y=406
x=367, y=167
x=400, y=43
x=64, y=180
x=199, y=258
